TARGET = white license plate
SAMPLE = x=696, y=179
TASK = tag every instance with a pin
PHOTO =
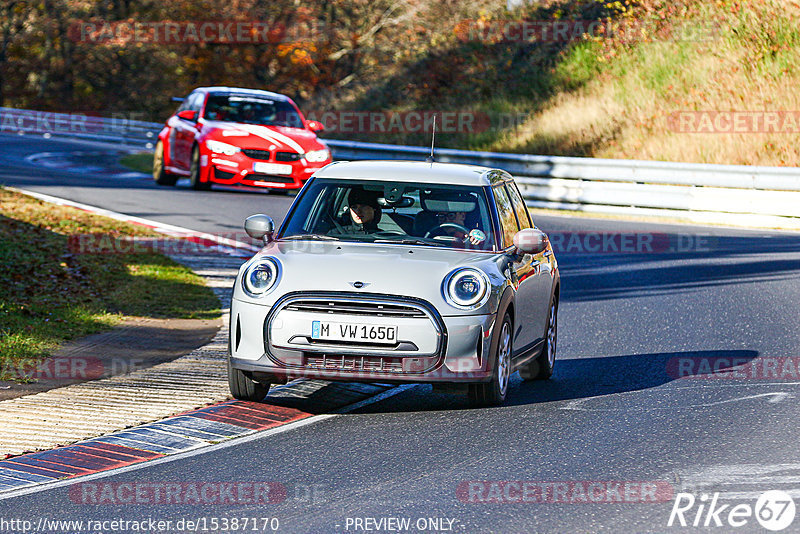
x=271, y=168
x=359, y=333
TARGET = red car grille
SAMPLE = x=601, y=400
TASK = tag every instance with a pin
x=287, y=156
x=255, y=153
x=222, y=175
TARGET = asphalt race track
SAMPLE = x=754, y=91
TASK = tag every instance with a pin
x=619, y=418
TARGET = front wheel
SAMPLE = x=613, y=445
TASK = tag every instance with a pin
x=493, y=393
x=245, y=388
x=195, y=171
x=541, y=367
x=160, y=175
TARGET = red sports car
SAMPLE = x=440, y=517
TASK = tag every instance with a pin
x=226, y=135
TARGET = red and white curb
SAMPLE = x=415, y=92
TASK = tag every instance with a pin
x=104, y=410
x=196, y=432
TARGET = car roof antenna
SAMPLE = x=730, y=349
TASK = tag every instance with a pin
x=430, y=159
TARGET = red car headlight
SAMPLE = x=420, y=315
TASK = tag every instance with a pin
x=218, y=147
x=317, y=156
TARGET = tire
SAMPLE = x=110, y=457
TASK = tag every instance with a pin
x=541, y=367
x=194, y=169
x=245, y=388
x=161, y=176
x=493, y=393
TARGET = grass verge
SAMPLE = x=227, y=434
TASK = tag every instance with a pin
x=50, y=292
x=141, y=162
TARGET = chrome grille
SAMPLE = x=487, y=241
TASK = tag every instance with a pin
x=355, y=363
x=373, y=309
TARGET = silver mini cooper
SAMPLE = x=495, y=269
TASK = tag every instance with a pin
x=396, y=272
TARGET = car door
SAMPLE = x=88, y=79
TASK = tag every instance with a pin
x=524, y=274
x=539, y=280
x=185, y=132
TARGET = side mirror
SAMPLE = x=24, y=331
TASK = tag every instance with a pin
x=315, y=126
x=187, y=115
x=260, y=227
x=530, y=241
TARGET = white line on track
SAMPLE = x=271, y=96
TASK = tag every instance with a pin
x=167, y=229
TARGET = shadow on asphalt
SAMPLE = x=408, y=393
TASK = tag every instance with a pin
x=576, y=378
x=723, y=260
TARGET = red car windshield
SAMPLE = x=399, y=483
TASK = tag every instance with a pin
x=250, y=109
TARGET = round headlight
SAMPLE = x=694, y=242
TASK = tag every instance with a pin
x=467, y=288
x=260, y=277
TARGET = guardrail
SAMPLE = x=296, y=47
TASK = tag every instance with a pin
x=729, y=194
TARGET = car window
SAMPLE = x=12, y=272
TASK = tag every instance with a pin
x=185, y=104
x=508, y=222
x=523, y=215
x=196, y=102
x=370, y=210
x=252, y=109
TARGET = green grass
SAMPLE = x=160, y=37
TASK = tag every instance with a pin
x=51, y=292
x=142, y=162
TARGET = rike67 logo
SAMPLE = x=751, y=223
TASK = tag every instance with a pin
x=774, y=510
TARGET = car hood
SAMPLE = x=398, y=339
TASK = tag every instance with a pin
x=266, y=137
x=414, y=271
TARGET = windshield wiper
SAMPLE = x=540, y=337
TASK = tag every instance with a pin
x=411, y=241
x=320, y=237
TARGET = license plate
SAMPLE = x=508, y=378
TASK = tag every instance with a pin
x=360, y=333
x=271, y=168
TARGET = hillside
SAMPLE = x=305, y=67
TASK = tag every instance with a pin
x=645, y=79
x=656, y=85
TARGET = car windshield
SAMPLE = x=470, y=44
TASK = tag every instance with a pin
x=251, y=109
x=389, y=212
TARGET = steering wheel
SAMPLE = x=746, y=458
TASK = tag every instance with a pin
x=437, y=230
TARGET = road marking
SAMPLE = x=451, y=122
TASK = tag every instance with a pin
x=778, y=396
x=242, y=439
x=578, y=404
x=751, y=480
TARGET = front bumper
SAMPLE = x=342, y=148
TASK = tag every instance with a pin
x=276, y=342
x=239, y=169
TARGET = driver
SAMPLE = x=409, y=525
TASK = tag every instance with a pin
x=447, y=213
x=446, y=218
x=364, y=211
